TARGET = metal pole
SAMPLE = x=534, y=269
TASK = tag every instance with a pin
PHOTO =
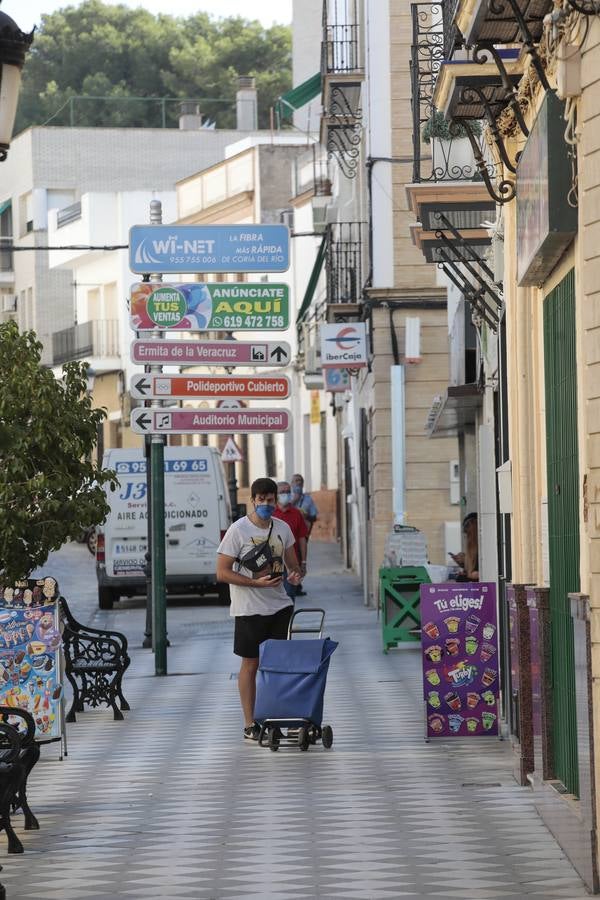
x=147, y=642
x=232, y=485
x=157, y=514
x=159, y=598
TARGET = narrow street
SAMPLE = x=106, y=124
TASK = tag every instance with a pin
x=171, y=803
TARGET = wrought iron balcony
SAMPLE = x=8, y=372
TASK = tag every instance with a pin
x=440, y=153
x=99, y=338
x=344, y=263
x=342, y=71
x=341, y=51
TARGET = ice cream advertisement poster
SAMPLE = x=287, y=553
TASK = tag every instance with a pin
x=30, y=642
x=459, y=646
x=206, y=306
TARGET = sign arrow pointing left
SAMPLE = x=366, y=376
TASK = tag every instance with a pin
x=143, y=386
x=144, y=421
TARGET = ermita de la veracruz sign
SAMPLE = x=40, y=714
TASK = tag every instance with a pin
x=206, y=306
x=209, y=248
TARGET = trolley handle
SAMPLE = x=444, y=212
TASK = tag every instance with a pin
x=299, y=630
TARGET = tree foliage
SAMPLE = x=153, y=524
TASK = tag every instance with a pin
x=49, y=488
x=107, y=50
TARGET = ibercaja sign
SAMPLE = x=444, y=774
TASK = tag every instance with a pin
x=344, y=345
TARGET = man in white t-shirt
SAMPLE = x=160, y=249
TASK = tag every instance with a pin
x=251, y=559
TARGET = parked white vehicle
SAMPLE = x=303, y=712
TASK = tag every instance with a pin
x=197, y=514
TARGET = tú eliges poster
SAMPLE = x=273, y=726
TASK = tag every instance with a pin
x=459, y=646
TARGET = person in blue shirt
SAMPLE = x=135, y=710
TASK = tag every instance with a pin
x=305, y=503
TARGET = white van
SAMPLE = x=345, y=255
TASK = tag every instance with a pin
x=197, y=514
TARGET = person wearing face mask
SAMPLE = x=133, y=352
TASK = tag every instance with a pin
x=294, y=518
x=306, y=505
x=251, y=559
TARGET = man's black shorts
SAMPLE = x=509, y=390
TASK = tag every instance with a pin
x=250, y=631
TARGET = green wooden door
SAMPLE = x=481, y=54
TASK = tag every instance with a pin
x=560, y=366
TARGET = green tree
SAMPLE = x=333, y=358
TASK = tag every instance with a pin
x=50, y=489
x=109, y=50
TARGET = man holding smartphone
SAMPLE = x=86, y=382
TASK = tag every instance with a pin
x=251, y=559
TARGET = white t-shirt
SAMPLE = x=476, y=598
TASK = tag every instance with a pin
x=241, y=538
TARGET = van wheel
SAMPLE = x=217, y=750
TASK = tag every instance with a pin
x=224, y=596
x=106, y=598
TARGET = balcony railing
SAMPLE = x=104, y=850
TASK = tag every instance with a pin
x=344, y=262
x=98, y=338
x=447, y=157
x=341, y=49
x=68, y=214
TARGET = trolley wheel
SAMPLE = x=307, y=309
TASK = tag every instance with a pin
x=303, y=738
x=327, y=736
x=274, y=739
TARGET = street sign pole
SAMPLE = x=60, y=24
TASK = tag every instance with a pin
x=232, y=485
x=147, y=642
x=157, y=517
x=159, y=599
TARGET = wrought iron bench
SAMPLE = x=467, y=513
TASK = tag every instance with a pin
x=95, y=662
x=28, y=756
x=12, y=778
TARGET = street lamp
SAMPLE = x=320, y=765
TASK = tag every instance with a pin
x=14, y=44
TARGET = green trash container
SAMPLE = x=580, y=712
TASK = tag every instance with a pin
x=399, y=602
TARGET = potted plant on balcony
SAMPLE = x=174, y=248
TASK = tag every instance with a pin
x=451, y=152
x=50, y=489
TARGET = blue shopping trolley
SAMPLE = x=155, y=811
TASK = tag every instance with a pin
x=290, y=687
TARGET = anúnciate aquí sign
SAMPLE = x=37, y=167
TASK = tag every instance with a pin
x=208, y=306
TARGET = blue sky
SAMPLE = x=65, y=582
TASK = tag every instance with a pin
x=28, y=14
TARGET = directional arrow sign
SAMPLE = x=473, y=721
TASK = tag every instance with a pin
x=214, y=353
x=209, y=421
x=257, y=387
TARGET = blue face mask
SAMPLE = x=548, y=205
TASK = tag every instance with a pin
x=264, y=510
x=285, y=499
x=297, y=489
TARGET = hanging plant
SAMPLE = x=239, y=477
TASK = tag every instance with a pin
x=439, y=127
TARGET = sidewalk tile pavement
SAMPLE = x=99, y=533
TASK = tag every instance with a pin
x=172, y=803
